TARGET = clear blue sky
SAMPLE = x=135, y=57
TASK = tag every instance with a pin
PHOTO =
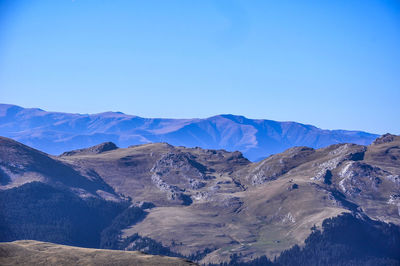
x=333, y=64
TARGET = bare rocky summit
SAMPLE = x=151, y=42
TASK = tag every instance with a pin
x=386, y=138
x=103, y=147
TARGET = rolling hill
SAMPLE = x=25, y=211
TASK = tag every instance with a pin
x=30, y=252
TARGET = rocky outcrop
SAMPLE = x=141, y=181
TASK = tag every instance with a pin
x=338, y=154
x=174, y=173
x=277, y=165
x=181, y=169
x=360, y=177
x=386, y=138
x=103, y=147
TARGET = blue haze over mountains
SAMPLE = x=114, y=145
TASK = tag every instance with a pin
x=55, y=132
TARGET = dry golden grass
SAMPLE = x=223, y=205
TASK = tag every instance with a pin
x=29, y=252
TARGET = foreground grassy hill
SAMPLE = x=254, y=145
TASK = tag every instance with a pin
x=29, y=252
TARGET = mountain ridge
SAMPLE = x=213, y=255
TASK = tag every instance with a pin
x=56, y=132
x=206, y=205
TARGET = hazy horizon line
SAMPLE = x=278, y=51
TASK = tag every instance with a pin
x=194, y=118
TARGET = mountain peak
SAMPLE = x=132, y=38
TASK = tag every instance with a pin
x=231, y=116
x=100, y=148
x=386, y=138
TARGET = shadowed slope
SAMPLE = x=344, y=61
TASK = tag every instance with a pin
x=20, y=164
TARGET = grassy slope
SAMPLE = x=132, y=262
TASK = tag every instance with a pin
x=28, y=252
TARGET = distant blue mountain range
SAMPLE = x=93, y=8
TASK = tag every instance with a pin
x=55, y=132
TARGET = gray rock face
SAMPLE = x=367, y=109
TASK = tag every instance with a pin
x=176, y=172
x=360, y=178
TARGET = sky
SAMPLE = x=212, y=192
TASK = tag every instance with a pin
x=332, y=64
